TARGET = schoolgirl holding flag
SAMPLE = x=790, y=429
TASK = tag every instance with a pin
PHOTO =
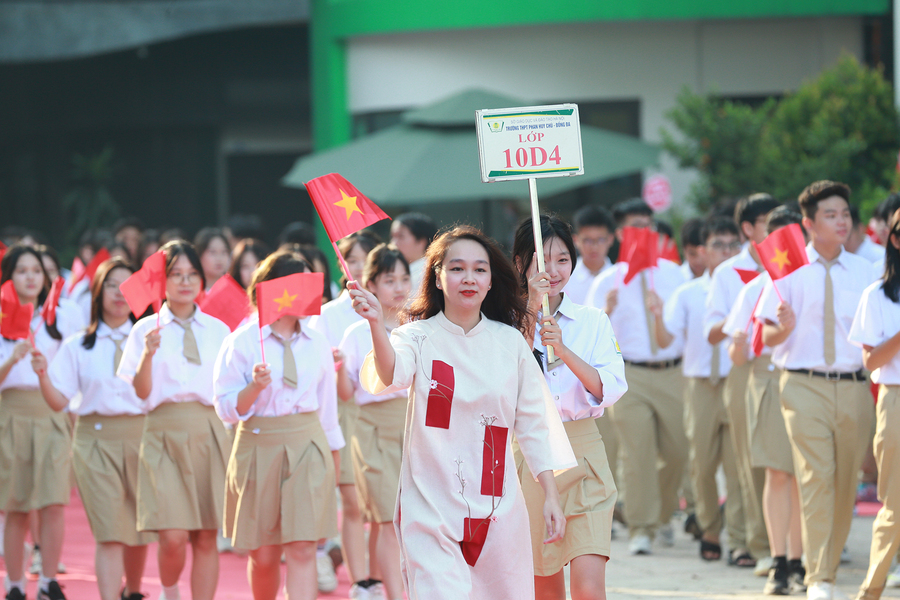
x=169, y=360
x=34, y=439
x=275, y=380
x=82, y=378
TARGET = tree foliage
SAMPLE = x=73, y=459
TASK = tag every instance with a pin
x=90, y=204
x=842, y=126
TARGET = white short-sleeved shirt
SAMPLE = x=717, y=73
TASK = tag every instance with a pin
x=22, y=376
x=804, y=291
x=870, y=251
x=587, y=332
x=357, y=343
x=877, y=320
x=724, y=287
x=581, y=279
x=416, y=274
x=174, y=378
x=683, y=313
x=629, y=319
x=335, y=318
x=315, y=391
x=91, y=372
x=742, y=311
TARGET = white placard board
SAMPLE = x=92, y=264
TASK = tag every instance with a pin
x=529, y=142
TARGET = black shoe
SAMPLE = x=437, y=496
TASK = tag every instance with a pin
x=796, y=575
x=132, y=596
x=54, y=592
x=692, y=527
x=778, y=584
x=15, y=594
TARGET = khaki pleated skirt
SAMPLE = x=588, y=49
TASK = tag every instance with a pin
x=770, y=447
x=348, y=411
x=588, y=503
x=105, y=457
x=35, y=446
x=280, y=483
x=377, y=447
x=184, y=449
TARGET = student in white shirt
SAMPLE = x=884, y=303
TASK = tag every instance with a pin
x=652, y=409
x=876, y=328
x=594, y=231
x=332, y=322
x=590, y=378
x=34, y=439
x=377, y=441
x=82, y=379
x=279, y=490
x=858, y=241
x=184, y=447
x=824, y=397
x=752, y=548
x=704, y=367
x=770, y=447
x=412, y=233
x=694, y=264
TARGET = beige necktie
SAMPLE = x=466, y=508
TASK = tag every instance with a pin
x=651, y=321
x=191, y=352
x=117, y=357
x=714, y=365
x=290, y=365
x=828, y=309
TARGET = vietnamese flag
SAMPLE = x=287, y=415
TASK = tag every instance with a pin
x=226, y=301
x=342, y=208
x=299, y=294
x=783, y=251
x=146, y=286
x=757, y=343
x=669, y=250
x=640, y=249
x=15, y=318
x=746, y=275
x=48, y=311
x=90, y=269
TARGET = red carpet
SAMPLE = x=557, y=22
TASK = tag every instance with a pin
x=79, y=583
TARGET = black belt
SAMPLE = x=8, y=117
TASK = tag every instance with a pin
x=831, y=375
x=660, y=364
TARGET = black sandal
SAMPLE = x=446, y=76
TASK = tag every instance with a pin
x=741, y=558
x=692, y=527
x=710, y=551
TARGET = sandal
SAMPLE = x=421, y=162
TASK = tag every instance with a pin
x=710, y=550
x=741, y=558
x=692, y=527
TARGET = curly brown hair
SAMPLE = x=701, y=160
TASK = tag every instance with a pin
x=503, y=301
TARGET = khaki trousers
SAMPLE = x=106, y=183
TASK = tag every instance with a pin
x=754, y=536
x=709, y=439
x=828, y=423
x=886, y=528
x=649, y=419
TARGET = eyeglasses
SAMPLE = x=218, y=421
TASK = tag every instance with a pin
x=720, y=246
x=192, y=277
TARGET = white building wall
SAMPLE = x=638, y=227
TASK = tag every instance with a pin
x=648, y=61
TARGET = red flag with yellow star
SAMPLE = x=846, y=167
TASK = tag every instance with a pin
x=342, y=208
x=783, y=251
x=15, y=318
x=299, y=294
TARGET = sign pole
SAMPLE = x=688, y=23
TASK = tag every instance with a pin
x=539, y=252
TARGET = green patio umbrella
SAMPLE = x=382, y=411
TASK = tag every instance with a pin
x=432, y=156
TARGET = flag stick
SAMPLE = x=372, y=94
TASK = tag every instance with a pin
x=262, y=347
x=343, y=262
x=539, y=252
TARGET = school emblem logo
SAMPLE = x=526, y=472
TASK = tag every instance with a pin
x=495, y=126
x=616, y=344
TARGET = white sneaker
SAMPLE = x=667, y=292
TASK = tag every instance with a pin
x=37, y=563
x=763, y=565
x=325, y=574
x=893, y=578
x=359, y=593
x=667, y=536
x=821, y=590
x=639, y=544
x=376, y=592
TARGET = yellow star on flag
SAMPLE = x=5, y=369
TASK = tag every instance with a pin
x=348, y=203
x=780, y=259
x=286, y=301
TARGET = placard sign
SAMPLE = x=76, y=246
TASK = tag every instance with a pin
x=529, y=142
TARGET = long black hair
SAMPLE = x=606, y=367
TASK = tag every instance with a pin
x=100, y=277
x=891, y=285
x=8, y=265
x=523, y=244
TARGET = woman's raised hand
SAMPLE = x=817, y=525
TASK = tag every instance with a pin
x=365, y=303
